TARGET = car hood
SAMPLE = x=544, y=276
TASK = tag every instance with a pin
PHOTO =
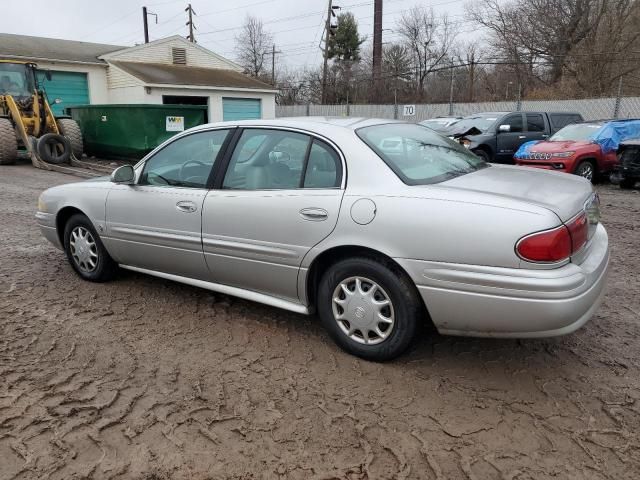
x=563, y=194
x=558, y=146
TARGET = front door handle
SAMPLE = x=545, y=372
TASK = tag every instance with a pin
x=186, y=206
x=521, y=137
x=314, y=214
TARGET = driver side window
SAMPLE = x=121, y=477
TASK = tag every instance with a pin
x=186, y=162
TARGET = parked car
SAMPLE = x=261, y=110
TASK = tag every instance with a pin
x=496, y=136
x=440, y=124
x=587, y=149
x=627, y=171
x=318, y=215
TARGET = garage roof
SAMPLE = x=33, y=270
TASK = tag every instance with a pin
x=155, y=73
x=25, y=46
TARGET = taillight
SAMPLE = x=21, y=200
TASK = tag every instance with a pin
x=549, y=246
x=557, y=244
x=579, y=231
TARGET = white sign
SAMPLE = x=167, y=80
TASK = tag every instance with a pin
x=175, y=124
x=409, y=111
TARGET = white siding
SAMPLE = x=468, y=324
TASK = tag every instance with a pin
x=96, y=77
x=117, y=78
x=160, y=52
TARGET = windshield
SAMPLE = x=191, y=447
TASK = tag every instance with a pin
x=439, y=124
x=418, y=155
x=481, y=122
x=15, y=79
x=577, y=132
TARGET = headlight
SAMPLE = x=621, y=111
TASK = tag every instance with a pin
x=563, y=154
x=42, y=207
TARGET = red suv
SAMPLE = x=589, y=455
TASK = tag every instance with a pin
x=587, y=149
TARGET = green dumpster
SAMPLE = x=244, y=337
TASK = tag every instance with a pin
x=132, y=131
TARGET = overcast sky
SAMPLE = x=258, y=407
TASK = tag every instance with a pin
x=296, y=25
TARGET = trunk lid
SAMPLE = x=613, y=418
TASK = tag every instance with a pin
x=562, y=193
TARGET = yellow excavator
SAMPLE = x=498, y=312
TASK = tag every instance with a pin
x=26, y=120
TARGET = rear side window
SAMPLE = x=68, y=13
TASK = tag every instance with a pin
x=535, y=122
x=323, y=167
x=560, y=120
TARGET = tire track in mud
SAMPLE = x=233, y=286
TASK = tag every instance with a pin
x=142, y=378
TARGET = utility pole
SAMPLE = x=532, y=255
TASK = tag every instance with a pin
x=377, y=46
x=327, y=32
x=451, y=92
x=192, y=27
x=273, y=63
x=146, y=24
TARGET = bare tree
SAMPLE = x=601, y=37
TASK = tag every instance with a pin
x=253, y=43
x=429, y=38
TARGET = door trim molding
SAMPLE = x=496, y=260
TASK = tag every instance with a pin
x=227, y=290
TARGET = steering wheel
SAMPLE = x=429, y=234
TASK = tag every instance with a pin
x=182, y=172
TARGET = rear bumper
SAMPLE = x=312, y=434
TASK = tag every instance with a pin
x=47, y=224
x=483, y=301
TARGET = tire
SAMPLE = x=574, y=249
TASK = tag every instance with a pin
x=627, y=183
x=586, y=169
x=483, y=154
x=8, y=142
x=70, y=129
x=88, y=257
x=48, y=151
x=404, y=310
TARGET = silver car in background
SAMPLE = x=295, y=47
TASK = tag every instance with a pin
x=377, y=226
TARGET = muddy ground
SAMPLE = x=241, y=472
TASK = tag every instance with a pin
x=146, y=379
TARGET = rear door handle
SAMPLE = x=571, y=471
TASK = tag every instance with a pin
x=186, y=206
x=314, y=214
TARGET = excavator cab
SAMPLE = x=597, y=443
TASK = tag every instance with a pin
x=26, y=119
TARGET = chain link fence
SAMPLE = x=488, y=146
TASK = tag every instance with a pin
x=591, y=109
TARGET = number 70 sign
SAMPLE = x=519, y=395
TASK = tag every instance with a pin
x=409, y=111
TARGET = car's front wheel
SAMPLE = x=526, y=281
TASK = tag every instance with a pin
x=369, y=307
x=85, y=250
x=586, y=169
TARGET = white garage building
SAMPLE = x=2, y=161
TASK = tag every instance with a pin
x=170, y=70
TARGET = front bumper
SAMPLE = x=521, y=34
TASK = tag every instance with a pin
x=47, y=224
x=480, y=301
x=545, y=165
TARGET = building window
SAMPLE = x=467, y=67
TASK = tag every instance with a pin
x=179, y=56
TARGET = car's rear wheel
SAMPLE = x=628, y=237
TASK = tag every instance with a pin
x=369, y=307
x=85, y=250
x=586, y=169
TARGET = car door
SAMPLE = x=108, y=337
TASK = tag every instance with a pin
x=536, y=127
x=510, y=140
x=279, y=196
x=156, y=223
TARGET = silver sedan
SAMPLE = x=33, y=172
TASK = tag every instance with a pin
x=377, y=226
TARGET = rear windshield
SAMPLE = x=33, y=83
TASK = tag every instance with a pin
x=418, y=155
x=577, y=132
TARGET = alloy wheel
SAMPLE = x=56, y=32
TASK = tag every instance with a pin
x=363, y=310
x=586, y=170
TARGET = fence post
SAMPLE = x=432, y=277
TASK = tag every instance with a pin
x=616, y=107
x=308, y=109
x=519, y=100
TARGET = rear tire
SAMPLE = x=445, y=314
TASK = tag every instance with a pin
x=8, y=142
x=85, y=250
x=586, y=169
x=360, y=295
x=70, y=129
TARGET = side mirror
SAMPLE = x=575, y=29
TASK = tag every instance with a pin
x=504, y=128
x=124, y=175
x=47, y=75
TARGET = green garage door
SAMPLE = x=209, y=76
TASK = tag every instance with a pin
x=241, y=109
x=70, y=87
